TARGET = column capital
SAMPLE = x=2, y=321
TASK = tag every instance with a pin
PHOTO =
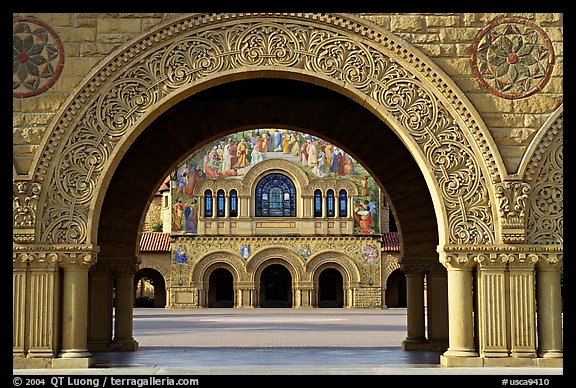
x=121, y=266
x=457, y=260
x=46, y=257
x=550, y=261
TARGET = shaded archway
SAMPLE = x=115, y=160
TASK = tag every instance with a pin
x=157, y=282
x=221, y=288
x=331, y=291
x=275, y=286
x=396, y=289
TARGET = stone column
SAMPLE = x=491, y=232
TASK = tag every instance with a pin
x=522, y=306
x=493, y=293
x=306, y=289
x=20, y=315
x=437, y=296
x=416, y=330
x=461, y=349
x=36, y=296
x=100, y=307
x=75, y=352
x=549, y=306
x=124, y=309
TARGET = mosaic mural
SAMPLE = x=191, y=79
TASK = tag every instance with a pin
x=232, y=156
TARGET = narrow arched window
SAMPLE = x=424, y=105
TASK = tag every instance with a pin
x=233, y=203
x=330, y=210
x=343, y=204
x=275, y=196
x=220, y=204
x=208, y=203
x=318, y=203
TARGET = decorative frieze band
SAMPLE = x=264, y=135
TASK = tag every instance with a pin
x=29, y=256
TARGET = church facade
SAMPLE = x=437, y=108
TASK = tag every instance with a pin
x=457, y=117
x=277, y=218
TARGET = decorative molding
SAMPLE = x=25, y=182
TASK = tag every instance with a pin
x=512, y=200
x=545, y=221
x=26, y=196
x=345, y=50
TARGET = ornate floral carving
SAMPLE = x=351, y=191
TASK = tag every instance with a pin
x=155, y=73
x=512, y=200
x=546, y=209
x=512, y=58
x=24, y=210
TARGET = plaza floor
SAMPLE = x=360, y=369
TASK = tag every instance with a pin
x=275, y=342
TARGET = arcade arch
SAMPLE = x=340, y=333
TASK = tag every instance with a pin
x=440, y=169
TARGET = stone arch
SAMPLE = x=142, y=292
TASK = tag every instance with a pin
x=201, y=270
x=159, y=282
x=97, y=124
x=340, y=261
x=296, y=174
x=163, y=269
x=276, y=255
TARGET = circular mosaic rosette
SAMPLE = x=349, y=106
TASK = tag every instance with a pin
x=512, y=58
x=37, y=57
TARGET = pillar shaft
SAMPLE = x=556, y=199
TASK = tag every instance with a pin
x=101, y=310
x=522, y=309
x=415, y=311
x=460, y=314
x=437, y=297
x=124, y=307
x=75, y=313
x=549, y=313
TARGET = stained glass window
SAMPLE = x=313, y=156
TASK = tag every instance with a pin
x=275, y=196
x=318, y=203
x=343, y=198
x=330, y=203
x=233, y=203
x=208, y=203
x=220, y=203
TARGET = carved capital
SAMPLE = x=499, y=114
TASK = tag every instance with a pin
x=550, y=261
x=120, y=266
x=24, y=209
x=457, y=260
x=512, y=200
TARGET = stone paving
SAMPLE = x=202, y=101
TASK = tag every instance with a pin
x=274, y=342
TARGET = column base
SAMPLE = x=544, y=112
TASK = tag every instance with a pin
x=73, y=363
x=415, y=344
x=125, y=345
x=500, y=362
x=551, y=354
x=460, y=361
x=74, y=353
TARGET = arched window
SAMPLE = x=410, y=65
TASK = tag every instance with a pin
x=275, y=196
x=343, y=204
x=330, y=212
x=233, y=203
x=317, y=203
x=220, y=204
x=208, y=203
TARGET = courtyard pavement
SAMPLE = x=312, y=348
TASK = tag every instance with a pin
x=266, y=342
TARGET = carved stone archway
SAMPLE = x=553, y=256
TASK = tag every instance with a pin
x=58, y=208
x=349, y=55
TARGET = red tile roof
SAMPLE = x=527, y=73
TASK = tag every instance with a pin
x=155, y=242
x=391, y=242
